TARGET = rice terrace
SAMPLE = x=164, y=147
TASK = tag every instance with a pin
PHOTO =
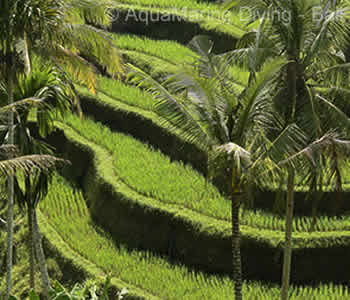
x=179, y=149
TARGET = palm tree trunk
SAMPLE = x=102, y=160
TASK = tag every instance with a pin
x=287, y=259
x=10, y=187
x=30, y=229
x=27, y=61
x=31, y=247
x=236, y=249
x=41, y=257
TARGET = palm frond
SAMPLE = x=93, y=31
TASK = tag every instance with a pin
x=321, y=145
x=173, y=109
x=22, y=104
x=80, y=69
x=335, y=116
x=81, y=11
x=93, y=42
x=335, y=25
x=28, y=164
x=257, y=98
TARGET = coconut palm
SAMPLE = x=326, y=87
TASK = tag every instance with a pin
x=311, y=86
x=232, y=124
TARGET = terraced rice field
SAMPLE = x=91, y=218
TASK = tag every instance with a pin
x=66, y=212
x=162, y=57
x=151, y=173
x=169, y=51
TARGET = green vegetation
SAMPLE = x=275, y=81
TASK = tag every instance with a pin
x=152, y=175
x=21, y=266
x=160, y=58
x=141, y=182
x=208, y=16
x=114, y=95
x=156, y=66
x=67, y=213
x=169, y=51
x=119, y=91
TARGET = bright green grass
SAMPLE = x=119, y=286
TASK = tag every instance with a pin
x=151, y=173
x=66, y=211
x=169, y=51
x=128, y=94
x=152, y=65
x=162, y=57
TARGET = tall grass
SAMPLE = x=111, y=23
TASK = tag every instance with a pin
x=143, y=52
x=128, y=94
x=169, y=51
x=153, y=65
x=152, y=174
x=67, y=212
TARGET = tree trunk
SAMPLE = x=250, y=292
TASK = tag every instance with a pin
x=41, y=257
x=27, y=61
x=287, y=259
x=27, y=199
x=292, y=92
x=31, y=247
x=236, y=249
x=10, y=187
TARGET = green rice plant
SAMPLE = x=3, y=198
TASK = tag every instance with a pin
x=168, y=51
x=146, y=270
x=153, y=65
x=171, y=182
x=152, y=174
x=130, y=95
x=159, y=58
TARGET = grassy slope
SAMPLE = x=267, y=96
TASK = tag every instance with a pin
x=65, y=218
x=151, y=173
x=120, y=97
x=203, y=223
x=169, y=51
x=163, y=57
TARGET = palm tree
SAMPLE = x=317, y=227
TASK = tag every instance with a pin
x=70, y=37
x=11, y=164
x=55, y=29
x=311, y=85
x=230, y=123
x=36, y=188
x=44, y=82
